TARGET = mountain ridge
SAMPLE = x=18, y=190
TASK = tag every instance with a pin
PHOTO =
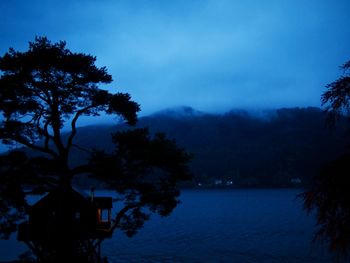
x=286, y=147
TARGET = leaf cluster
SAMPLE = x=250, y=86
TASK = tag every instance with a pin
x=329, y=197
x=47, y=86
x=144, y=170
x=336, y=99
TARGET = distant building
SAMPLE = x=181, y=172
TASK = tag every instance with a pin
x=229, y=183
x=295, y=181
x=218, y=182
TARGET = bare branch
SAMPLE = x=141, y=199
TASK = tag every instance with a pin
x=56, y=127
x=48, y=136
x=117, y=219
x=73, y=125
x=42, y=130
x=35, y=147
x=44, y=99
x=121, y=213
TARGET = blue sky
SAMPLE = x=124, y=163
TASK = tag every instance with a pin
x=213, y=55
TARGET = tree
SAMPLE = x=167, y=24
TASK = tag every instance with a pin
x=49, y=87
x=337, y=97
x=329, y=196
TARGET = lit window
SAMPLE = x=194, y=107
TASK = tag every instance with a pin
x=103, y=215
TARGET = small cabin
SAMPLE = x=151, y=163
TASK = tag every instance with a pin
x=65, y=212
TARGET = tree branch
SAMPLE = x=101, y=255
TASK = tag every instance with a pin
x=56, y=127
x=44, y=131
x=48, y=136
x=35, y=147
x=119, y=216
x=73, y=125
x=46, y=100
x=121, y=213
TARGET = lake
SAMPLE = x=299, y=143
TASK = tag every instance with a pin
x=248, y=226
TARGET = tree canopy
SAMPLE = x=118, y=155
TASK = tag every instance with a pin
x=48, y=85
x=43, y=93
x=336, y=99
x=329, y=196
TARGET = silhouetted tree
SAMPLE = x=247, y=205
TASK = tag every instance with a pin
x=48, y=88
x=330, y=196
x=337, y=97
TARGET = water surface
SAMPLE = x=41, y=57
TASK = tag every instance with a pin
x=225, y=226
x=243, y=226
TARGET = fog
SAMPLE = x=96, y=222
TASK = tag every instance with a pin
x=211, y=55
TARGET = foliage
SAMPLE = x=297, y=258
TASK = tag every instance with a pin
x=47, y=89
x=48, y=85
x=329, y=197
x=145, y=174
x=228, y=146
x=337, y=97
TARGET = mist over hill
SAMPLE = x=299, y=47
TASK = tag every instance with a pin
x=276, y=148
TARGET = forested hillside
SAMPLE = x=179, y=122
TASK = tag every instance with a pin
x=284, y=147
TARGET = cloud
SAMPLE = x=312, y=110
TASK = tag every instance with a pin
x=213, y=55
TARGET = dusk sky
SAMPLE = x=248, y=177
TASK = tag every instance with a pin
x=213, y=55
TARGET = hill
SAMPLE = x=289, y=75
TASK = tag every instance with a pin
x=279, y=148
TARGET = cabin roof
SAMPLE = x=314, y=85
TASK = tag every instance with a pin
x=60, y=195
x=71, y=197
x=103, y=202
